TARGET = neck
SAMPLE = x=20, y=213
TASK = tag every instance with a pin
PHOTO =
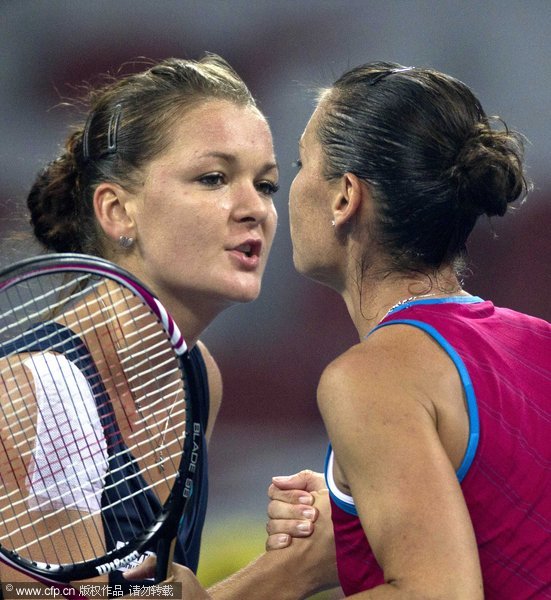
x=370, y=300
x=191, y=310
x=193, y=317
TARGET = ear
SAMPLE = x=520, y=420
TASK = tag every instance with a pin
x=352, y=194
x=112, y=210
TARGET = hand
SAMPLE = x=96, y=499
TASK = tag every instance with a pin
x=191, y=588
x=300, y=523
x=291, y=512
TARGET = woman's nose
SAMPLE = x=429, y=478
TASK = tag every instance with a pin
x=251, y=204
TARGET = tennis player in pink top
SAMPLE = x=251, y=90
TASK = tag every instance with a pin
x=439, y=419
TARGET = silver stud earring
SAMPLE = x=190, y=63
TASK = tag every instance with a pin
x=125, y=242
x=333, y=223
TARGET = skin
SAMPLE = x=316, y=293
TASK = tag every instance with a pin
x=399, y=433
x=209, y=192
x=203, y=205
x=394, y=410
x=292, y=573
x=393, y=404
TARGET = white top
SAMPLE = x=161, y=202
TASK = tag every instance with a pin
x=69, y=461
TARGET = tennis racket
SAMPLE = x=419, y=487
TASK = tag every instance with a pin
x=100, y=432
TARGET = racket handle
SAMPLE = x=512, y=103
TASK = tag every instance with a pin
x=165, y=556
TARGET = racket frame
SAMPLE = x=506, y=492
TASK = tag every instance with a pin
x=187, y=482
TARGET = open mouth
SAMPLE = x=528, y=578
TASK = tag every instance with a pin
x=249, y=249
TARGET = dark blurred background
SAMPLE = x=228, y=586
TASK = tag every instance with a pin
x=272, y=352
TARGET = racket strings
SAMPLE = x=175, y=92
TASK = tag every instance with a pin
x=144, y=361
x=85, y=518
x=20, y=505
x=149, y=355
x=143, y=344
x=27, y=415
x=44, y=303
x=57, y=460
x=39, y=538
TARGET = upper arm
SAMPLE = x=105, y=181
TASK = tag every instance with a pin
x=376, y=403
x=214, y=386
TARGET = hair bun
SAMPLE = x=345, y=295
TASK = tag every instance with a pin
x=51, y=203
x=489, y=172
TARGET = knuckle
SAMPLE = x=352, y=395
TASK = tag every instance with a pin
x=272, y=543
x=269, y=528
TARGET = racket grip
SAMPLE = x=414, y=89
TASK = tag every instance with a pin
x=165, y=555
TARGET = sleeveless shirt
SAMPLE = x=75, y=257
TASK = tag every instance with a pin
x=129, y=517
x=503, y=359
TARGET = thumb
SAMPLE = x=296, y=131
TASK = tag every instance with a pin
x=145, y=570
x=306, y=480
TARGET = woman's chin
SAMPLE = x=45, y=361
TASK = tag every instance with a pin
x=247, y=296
x=232, y=294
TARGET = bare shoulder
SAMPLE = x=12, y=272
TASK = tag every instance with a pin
x=212, y=368
x=16, y=388
x=397, y=362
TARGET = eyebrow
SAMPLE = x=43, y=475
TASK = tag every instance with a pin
x=230, y=158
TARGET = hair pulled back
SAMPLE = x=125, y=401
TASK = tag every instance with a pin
x=434, y=161
x=127, y=126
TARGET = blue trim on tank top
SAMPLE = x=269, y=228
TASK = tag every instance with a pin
x=472, y=408
x=448, y=300
x=347, y=507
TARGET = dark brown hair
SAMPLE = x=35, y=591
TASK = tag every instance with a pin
x=433, y=159
x=127, y=126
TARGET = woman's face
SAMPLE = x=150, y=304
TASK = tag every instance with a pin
x=205, y=219
x=310, y=213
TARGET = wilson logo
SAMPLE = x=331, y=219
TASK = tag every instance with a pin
x=118, y=562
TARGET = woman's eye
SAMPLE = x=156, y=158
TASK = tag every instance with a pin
x=297, y=164
x=212, y=179
x=267, y=188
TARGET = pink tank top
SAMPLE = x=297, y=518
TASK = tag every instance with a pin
x=504, y=361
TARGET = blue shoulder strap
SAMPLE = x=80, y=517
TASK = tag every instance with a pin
x=472, y=408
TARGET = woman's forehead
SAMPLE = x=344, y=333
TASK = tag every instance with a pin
x=214, y=131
